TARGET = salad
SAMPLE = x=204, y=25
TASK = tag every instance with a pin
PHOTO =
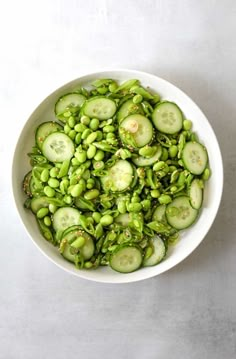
x=115, y=176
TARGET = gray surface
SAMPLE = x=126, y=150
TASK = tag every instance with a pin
x=188, y=312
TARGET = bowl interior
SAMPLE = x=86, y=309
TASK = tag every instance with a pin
x=189, y=238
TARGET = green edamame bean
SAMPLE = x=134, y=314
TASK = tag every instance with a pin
x=50, y=192
x=67, y=199
x=94, y=124
x=80, y=127
x=76, y=190
x=86, y=133
x=91, y=151
x=78, y=243
x=85, y=120
x=93, y=193
x=164, y=199
x=159, y=166
x=137, y=99
x=121, y=206
x=52, y=208
x=187, y=125
x=99, y=155
x=42, y=212
x=72, y=134
x=172, y=169
x=44, y=175
x=91, y=137
x=64, y=184
x=147, y=151
x=47, y=221
x=82, y=182
x=148, y=252
x=206, y=174
x=81, y=156
x=96, y=216
x=67, y=114
x=53, y=182
x=90, y=183
x=113, y=87
x=134, y=207
x=78, y=138
x=155, y=193
x=146, y=204
x=135, y=199
x=173, y=150
x=98, y=230
x=54, y=172
x=75, y=162
x=110, y=135
x=88, y=265
x=71, y=121
x=66, y=129
x=173, y=189
x=181, y=179
x=106, y=220
x=164, y=155
x=109, y=129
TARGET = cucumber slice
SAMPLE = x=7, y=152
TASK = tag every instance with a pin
x=195, y=157
x=136, y=130
x=159, y=214
x=123, y=219
x=26, y=184
x=44, y=130
x=167, y=117
x=128, y=108
x=65, y=217
x=69, y=101
x=126, y=259
x=143, y=161
x=99, y=107
x=39, y=202
x=196, y=194
x=87, y=250
x=180, y=214
x=119, y=177
x=58, y=147
x=159, y=252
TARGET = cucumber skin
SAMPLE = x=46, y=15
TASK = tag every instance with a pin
x=187, y=165
x=154, y=120
x=39, y=139
x=190, y=223
x=118, y=250
x=83, y=109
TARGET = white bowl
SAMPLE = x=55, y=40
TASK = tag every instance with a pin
x=190, y=238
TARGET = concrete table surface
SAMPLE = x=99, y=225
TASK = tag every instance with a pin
x=188, y=312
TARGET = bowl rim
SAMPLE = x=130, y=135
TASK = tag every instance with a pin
x=145, y=274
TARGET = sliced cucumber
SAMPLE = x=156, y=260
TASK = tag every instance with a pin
x=123, y=219
x=39, y=202
x=44, y=130
x=196, y=194
x=69, y=101
x=180, y=214
x=126, y=259
x=65, y=217
x=167, y=117
x=26, y=184
x=143, y=161
x=195, y=157
x=66, y=247
x=159, y=252
x=128, y=108
x=99, y=107
x=58, y=147
x=119, y=177
x=136, y=130
x=159, y=214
